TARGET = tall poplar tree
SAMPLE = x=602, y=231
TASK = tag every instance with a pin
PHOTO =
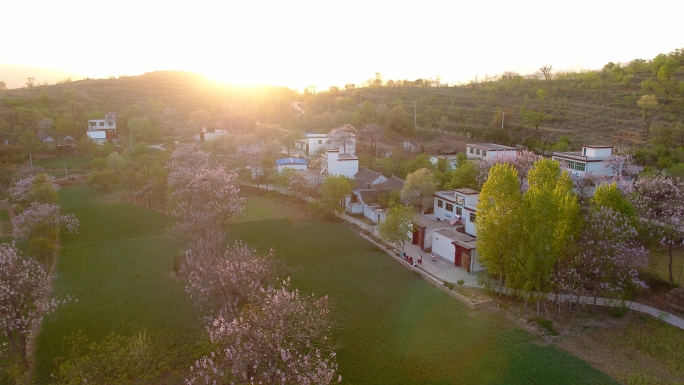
x=548, y=223
x=498, y=213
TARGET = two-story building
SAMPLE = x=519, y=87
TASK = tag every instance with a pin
x=102, y=130
x=489, y=151
x=336, y=163
x=590, y=159
x=457, y=207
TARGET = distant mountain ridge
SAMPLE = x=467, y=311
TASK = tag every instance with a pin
x=15, y=75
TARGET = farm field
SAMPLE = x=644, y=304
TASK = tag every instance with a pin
x=119, y=267
x=71, y=162
x=393, y=326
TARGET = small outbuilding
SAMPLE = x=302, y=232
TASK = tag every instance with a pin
x=293, y=163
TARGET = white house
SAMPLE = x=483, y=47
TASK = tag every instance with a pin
x=99, y=137
x=457, y=248
x=457, y=207
x=293, y=163
x=590, y=159
x=315, y=142
x=336, y=163
x=101, y=124
x=451, y=160
x=489, y=151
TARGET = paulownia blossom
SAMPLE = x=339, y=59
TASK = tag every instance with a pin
x=658, y=201
x=223, y=279
x=283, y=338
x=522, y=161
x=24, y=190
x=608, y=258
x=43, y=220
x=24, y=286
x=205, y=194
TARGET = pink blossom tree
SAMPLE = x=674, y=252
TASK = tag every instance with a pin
x=607, y=258
x=223, y=279
x=522, y=161
x=658, y=202
x=283, y=338
x=35, y=188
x=39, y=225
x=344, y=137
x=205, y=194
x=620, y=168
x=24, y=287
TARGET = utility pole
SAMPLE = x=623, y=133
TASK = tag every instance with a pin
x=31, y=158
x=415, y=125
x=131, y=137
x=503, y=119
x=65, y=170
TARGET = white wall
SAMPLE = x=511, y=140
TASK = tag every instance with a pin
x=314, y=144
x=469, y=225
x=282, y=167
x=597, y=152
x=443, y=247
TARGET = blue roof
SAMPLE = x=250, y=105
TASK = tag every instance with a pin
x=284, y=161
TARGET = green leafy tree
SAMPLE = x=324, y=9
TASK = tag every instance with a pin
x=102, y=180
x=464, y=176
x=398, y=226
x=497, y=225
x=648, y=103
x=419, y=188
x=333, y=190
x=609, y=195
x=534, y=118
x=43, y=190
x=98, y=164
x=548, y=224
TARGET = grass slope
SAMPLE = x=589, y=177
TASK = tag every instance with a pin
x=71, y=162
x=394, y=327
x=118, y=267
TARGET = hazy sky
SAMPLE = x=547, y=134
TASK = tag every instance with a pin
x=332, y=43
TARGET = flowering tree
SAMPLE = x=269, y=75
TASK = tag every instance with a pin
x=608, y=258
x=658, y=201
x=343, y=136
x=39, y=225
x=620, y=168
x=223, y=279
x=205, y=194
x=24, y=285
x=522, y=161
x=283, y=338
x=372, y=133
x=40, y=188
x=419, y=188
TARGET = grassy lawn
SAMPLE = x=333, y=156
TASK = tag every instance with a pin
x=71, y=161
x=393, y=326
x=662, y=261
x=119, y=268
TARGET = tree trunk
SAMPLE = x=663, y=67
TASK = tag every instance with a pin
x=538, y=303
x=669, y=250
x=500, y=282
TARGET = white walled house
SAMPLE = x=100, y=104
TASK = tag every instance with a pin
x=204, y=136
x=293, y=163
x=457, y=207
x=456, y=248
x=590, y=159
x=315, y=142
x=489, y=151
x=101, y=124
x=336, y=163
x=99, y=137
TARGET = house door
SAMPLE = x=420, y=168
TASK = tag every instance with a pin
x=457, y=259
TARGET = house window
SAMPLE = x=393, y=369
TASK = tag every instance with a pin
x=450, y=207
x=440, y=203
x=101, y=123
x=484, y=153
x=477, y=152
x=93, y=124
x=472, y=218
x=459, y=211
x=320, y=141
x=472, y=150
x=111, y=124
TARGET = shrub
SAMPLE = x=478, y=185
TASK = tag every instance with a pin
x=547, y=325
x=460, y=282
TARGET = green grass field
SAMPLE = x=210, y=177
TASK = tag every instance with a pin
x=71, y=162
x=393, y=326
x=119, y=268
